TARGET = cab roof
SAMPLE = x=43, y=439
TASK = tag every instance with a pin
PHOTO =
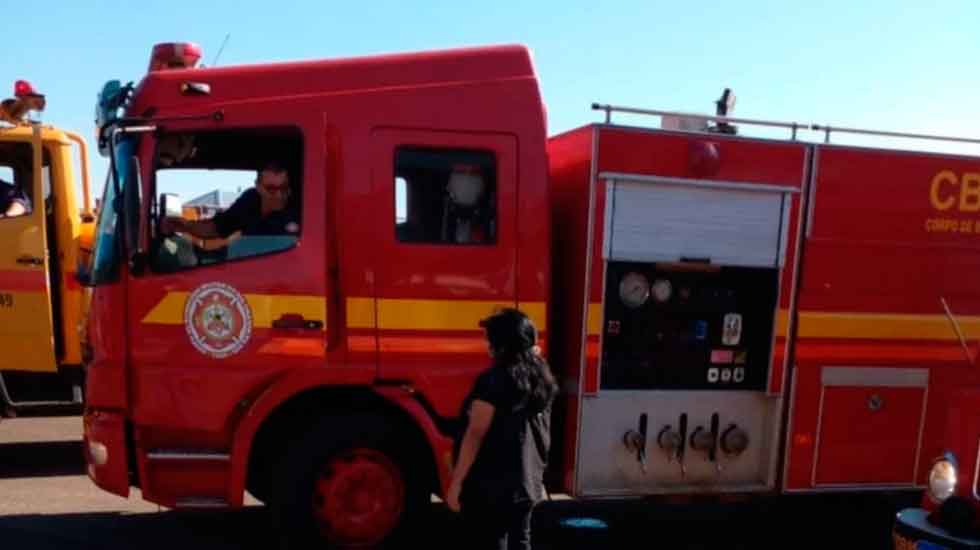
x=24, y=132
x=160, y=89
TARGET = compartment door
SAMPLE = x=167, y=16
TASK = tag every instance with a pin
x=447, y=235
x=870, y=425
x=675, y=221
x=691, y=288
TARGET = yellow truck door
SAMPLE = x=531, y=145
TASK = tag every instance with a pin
x=26, y=335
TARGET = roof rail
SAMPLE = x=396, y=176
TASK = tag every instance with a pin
x=793, y=126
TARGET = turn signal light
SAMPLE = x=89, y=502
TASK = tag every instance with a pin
x=98, y=453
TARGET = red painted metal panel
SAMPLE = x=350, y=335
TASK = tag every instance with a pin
x=442, y=271
x=166, y=482
x=107, y=373
x=108, y=429
x=876, y=245
x=358, y=77
x=570, y=157
x=859, y=445
x=802, y=427
x=652, y=153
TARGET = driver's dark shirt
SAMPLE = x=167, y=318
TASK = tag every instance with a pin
x=9, y=194
x=245, y=215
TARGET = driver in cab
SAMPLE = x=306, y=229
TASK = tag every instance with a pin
x=13, y=200
x=265, y=209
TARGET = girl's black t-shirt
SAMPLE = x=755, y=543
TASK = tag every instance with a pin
x=509, y=467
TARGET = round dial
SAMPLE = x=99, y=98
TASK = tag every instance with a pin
x=634, y=289
x=662, y=290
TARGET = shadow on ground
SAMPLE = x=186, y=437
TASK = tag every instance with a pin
x=830, y=522
x=556, y=526
x=41, y=459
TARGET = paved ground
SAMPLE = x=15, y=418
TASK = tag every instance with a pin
x=46, y=502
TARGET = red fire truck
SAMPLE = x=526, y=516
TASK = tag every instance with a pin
x=728, y=315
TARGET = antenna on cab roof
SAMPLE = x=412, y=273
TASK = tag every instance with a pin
x=221, y=49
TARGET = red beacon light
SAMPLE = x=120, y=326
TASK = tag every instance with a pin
x=23, y=88
x=26, y=99
x=174, y=55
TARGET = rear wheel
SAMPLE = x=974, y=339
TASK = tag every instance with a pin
x=351, y=482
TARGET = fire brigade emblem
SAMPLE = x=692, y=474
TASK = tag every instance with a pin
x=218, y=320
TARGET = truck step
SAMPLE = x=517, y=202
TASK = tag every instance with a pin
x=186, y=454
x=201, y=503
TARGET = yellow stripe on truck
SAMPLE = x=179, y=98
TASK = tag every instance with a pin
x=854, y=326
x=465, y=315
x=362, y=313
x=885, y=326
x=449, y=315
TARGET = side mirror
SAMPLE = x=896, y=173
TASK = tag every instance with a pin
x=171, y=206
x=85, y=244
x=107, y=106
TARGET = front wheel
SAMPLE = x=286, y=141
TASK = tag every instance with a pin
x=351, y=482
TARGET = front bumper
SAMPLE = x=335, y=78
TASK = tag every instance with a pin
x=912, y=531
x=104, y=443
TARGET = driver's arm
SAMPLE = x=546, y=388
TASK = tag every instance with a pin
x=16, y=208
x=221, y=225
x=202, y=229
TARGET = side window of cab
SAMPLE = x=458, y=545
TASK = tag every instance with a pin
x=445, y=196
x=16, y=179
x=225, y=195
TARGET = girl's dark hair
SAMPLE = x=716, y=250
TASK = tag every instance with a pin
x=513, y=338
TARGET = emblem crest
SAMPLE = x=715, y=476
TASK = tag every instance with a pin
x=218, y=320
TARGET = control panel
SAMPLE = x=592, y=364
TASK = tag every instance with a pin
x=687, y=325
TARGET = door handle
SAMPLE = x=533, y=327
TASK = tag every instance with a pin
x=295, y=320
x=30, y=260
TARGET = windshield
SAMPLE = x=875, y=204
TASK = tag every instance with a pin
x=107, y=249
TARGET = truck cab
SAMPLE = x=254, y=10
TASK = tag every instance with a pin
x=327, y=349
x=46, y=228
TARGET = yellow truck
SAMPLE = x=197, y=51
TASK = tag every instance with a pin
x=46, y=232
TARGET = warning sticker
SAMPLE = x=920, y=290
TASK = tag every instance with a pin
x=721, y=356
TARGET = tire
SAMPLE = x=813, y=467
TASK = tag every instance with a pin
x=351, y=482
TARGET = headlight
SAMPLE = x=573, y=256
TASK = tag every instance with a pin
x=942, y=478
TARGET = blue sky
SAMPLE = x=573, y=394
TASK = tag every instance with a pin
x=899, y=65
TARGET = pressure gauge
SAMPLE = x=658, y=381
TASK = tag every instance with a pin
x=662, y=290
x=634, y=289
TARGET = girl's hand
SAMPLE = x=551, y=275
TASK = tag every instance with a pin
x=452, y=498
